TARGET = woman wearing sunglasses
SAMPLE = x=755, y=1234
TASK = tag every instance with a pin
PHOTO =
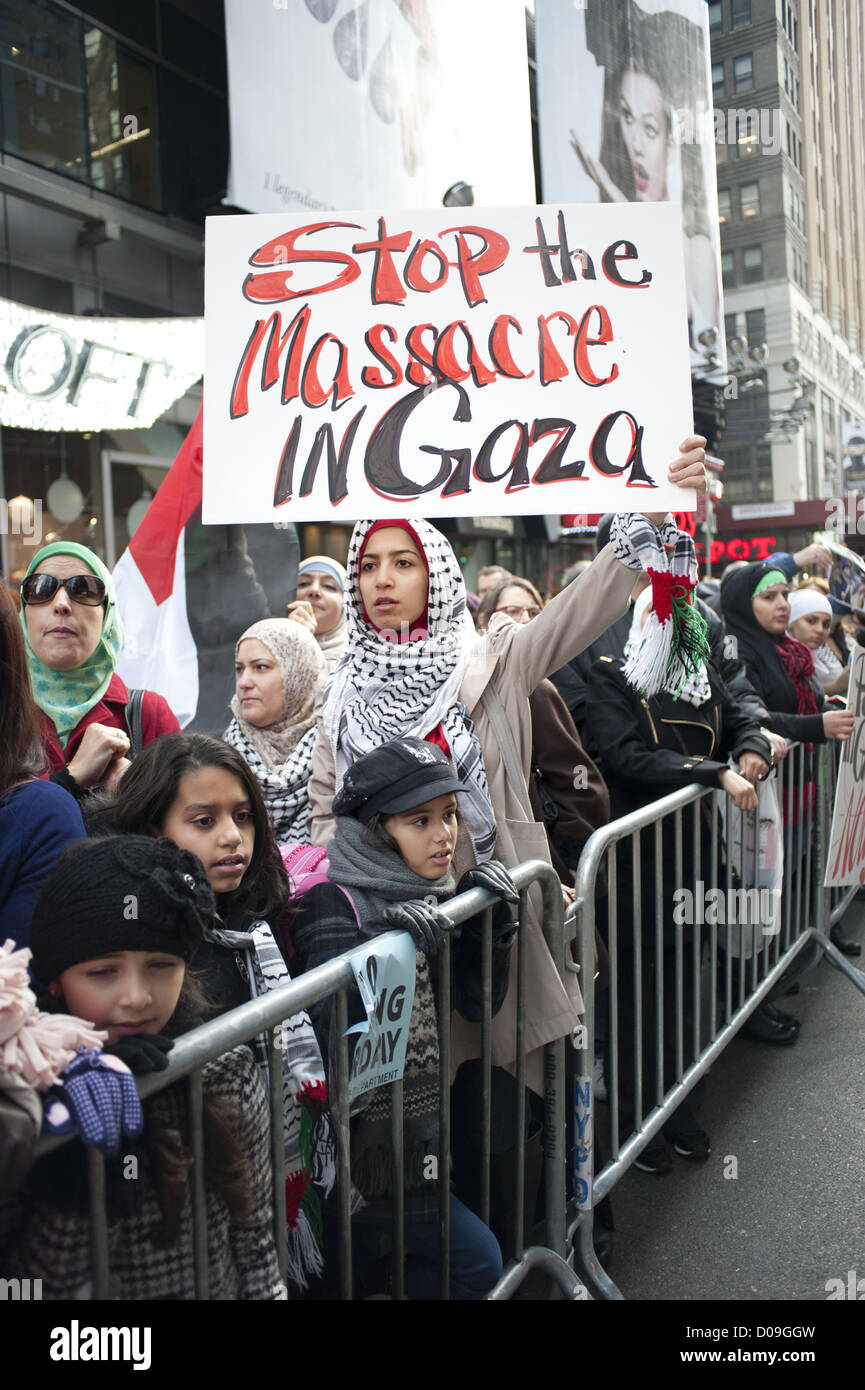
x=74, y=635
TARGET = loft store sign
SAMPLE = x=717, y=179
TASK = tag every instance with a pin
x=61, y=372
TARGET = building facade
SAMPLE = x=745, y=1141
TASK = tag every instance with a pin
x=113, y=149
x=789, y=88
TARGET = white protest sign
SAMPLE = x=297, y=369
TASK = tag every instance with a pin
x=385, y=977
x=845, y=861
x=451, y=362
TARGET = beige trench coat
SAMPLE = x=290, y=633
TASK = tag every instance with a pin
x=519, y=658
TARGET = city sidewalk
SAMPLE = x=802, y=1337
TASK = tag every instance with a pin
x=790, y=1122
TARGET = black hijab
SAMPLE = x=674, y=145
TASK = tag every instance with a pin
x=761, y=654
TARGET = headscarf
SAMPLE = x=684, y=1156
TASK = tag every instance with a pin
x=802, y=602
x=332, y=643
x=805, y=601
x=281, y=754
x=737, y=595
x=66, y=696
x=386, y=690
x=696, y=689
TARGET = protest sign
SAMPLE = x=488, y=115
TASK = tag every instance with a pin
x=847, y=577
x=385, y=978
x=444, y=363
x=845, y=861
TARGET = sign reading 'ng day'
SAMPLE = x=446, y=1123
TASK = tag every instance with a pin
x=455, y=362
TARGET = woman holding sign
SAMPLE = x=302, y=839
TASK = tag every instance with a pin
x=416, y=668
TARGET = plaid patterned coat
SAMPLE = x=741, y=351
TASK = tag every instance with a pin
x=52, y=1243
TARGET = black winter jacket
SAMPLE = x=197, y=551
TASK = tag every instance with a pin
x=647, y=748
x=572, y=679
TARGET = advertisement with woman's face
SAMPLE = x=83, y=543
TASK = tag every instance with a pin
x=625, y=115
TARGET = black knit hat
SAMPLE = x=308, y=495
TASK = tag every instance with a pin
x=396, y=777
x=124, y=893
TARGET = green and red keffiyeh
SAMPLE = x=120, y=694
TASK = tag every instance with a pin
x=674, y=646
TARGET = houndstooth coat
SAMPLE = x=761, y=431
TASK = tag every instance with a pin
x=53, y=1243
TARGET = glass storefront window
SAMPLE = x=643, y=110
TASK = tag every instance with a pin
x=123, y=124
x=48, y=469
x=42, y=86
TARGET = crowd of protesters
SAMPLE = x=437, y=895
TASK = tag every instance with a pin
x=426, y=741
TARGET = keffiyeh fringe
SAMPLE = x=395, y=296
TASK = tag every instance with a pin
x=308, y=1137
x=674, y=645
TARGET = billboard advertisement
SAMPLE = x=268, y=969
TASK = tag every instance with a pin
x=625, y=115
x=387, y=102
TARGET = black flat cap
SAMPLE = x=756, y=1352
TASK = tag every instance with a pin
x=396, y=777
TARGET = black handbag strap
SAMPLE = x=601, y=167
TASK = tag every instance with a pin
x=134, y=726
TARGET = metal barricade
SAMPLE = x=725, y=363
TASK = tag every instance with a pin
x=731, y=964
x=193, y=1050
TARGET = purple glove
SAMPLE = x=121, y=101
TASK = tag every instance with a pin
x=99, y=1098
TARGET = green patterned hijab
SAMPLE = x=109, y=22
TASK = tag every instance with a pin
x=66, y=696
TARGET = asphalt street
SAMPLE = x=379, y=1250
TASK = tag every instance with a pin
x=789, y=1216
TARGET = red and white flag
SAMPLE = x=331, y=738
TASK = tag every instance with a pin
x=150, y=579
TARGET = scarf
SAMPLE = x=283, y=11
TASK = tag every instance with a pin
x=794, y=658
x=673, y=645
x=308, y=1141
x=332, y=643
x=827, y=667
x=356, y=863
x=737, y=606
x=798, y=662
x=802, y=602
x=383, y=690
x=66, y=696
x=696, y=689
x=281, y=755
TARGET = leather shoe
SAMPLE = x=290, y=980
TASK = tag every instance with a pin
x=845, y=945
x=761, y=1027
x=777, y=1016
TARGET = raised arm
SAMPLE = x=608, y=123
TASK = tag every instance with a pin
x=587, y=607
x=322, y=784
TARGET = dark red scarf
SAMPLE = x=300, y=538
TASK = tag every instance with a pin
x=798, y=662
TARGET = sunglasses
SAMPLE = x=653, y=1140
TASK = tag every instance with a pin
x=80, y=588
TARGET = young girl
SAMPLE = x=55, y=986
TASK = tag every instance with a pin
x=203, y=796
x=133, y=912
x=396, y=831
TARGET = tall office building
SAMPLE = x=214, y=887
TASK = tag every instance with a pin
x=789, y=92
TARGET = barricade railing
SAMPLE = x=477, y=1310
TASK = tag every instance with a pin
x=261, y=1016
x=717, y=973
x=683, y=982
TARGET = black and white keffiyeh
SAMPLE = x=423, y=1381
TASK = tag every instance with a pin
x=673, y=645
x=308, y=1140
x=696, y=689
x=280, y=754
x=284, y=788
x=384, y=690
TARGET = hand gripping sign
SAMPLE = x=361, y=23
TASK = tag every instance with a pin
x=385, y=975
x=451, y=363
